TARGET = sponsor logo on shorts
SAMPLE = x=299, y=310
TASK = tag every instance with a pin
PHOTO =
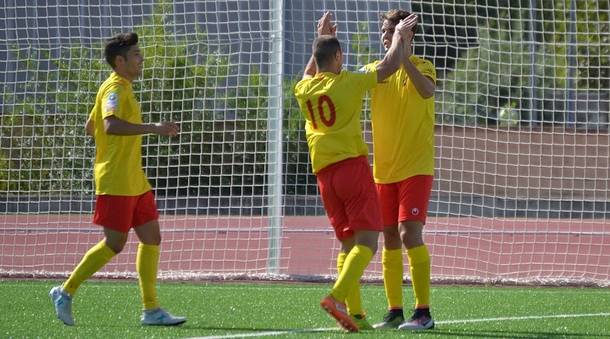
x=414, y=211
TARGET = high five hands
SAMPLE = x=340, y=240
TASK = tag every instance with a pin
x=326, y=26
x=405, y=29
x=405, y=26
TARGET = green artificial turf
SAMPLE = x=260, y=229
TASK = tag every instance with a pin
x=112, y=310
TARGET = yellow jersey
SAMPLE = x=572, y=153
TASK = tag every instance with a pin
x=331, y=105
x=402, y=125
x=118, y=158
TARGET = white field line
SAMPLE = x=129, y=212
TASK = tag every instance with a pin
x=555, y=316
x=442, y=322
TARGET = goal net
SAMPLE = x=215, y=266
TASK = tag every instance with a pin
x=522, y=148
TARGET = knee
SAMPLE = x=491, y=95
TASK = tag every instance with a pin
x=368, y=239
x=411, y=239
x=372, y=244
x=392, y=238
x=116, y=245
x=404, y=236
x=153, y=239
x=149, y=233
x=347, y=244
x=411, y=234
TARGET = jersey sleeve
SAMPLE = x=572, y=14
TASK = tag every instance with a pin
x=426, y=68
x=363, y=81
x=371, y=67
x=299, y=89
x=111, y=102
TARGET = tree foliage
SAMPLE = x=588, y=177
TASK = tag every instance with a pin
x=523, y=60
x=222, y=145
x=484, y=48
x=42, y=132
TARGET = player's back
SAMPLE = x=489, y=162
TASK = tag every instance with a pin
x=331, y=105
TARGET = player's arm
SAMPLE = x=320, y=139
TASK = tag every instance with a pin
x=325, y=27
x=425, y=85
x=310, y=69
x=116, y=126
x=89, y=127
x=391, y=60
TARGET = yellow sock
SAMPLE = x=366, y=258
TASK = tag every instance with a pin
x=353, y=300
x=147, y=264
x=97, y=256
x=355, y=263
x=419, y=260
x=391, y=261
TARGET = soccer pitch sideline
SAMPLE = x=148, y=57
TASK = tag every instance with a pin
x=231, y=310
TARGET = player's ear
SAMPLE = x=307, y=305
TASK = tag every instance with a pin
x=119, y=60
x=338, y=56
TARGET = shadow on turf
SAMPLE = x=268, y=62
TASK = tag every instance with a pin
x=515, y=334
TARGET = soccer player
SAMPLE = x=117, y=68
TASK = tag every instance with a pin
x=124, y=196
x=402, y=111
x=331, y=102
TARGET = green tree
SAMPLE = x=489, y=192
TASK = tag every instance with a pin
x=298, y=178
x=222, y=145
x=592, y=37
x=42, y=128
x=3, y=173
x=498, y=73
x=489, y=77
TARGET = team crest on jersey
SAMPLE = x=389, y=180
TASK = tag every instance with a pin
x=112, y=102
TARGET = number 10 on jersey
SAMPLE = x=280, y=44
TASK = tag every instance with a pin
x=323, y=99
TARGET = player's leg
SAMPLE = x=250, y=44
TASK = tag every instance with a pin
x=147, y=262
x=114, y=214
x=335, y=307
x=354, y=265
x=415, y=193
x=391, y=257
x=353, y=301
x=419, y=264
x=353, y=185
x=393, y=271
x=335, y=210
x=96, y=258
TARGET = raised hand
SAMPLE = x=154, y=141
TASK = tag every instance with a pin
x=405, y=29
x=405, y=26
x=326, y=26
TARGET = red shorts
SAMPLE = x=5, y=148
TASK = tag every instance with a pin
x=121, y=213
x=349, y=197
x=405, y=200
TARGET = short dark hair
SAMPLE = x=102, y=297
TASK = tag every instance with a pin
x=395, y=15
x=119, y=45
x=324, y=49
